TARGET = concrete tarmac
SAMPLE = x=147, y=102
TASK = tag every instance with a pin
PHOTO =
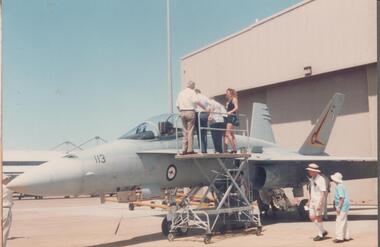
x=85, y=222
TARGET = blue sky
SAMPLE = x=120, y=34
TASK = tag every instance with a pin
x=74, y=69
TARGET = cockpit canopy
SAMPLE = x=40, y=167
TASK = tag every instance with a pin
x=163, y=126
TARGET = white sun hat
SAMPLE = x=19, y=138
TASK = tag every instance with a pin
x=337, y=177
x=313, y=167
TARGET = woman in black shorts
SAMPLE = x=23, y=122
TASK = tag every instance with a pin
x=232, y=119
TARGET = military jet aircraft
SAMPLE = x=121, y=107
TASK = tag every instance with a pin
x=145, y=157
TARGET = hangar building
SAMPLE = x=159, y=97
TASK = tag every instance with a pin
x=294, y=61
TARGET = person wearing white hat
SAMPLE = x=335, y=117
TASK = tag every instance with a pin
x=342, y=206
x=7, y=209
x=316, y=202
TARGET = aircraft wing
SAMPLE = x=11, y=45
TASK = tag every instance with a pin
x=350, y=167
x=284, y=165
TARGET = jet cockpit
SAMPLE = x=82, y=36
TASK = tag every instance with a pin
x=164, y=126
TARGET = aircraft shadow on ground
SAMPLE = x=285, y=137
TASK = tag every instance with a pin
x=136, y=240
x=197, y=235
x=194, y=235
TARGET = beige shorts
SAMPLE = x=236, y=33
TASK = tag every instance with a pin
x=313, y=211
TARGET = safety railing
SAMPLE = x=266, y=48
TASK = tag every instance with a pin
x=244, y=131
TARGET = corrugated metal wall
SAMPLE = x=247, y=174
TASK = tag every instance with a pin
x=296, y=105
x=327, y=35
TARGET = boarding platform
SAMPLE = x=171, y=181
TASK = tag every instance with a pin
x=213, y=156
x=232, y=193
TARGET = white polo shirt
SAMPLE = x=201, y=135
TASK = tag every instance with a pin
x=187, y=99
x=204, y=100
x=219, y=108
x=317, y=187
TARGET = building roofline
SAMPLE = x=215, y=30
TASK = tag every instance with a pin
x=267, y=19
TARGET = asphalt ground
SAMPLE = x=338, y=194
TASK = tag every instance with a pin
x=85, y=222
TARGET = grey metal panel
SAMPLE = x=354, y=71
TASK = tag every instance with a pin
x=326, y=35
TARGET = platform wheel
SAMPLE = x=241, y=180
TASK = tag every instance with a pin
x=259, y=230
x=207, y=239
x=171, y=237
x=131, y=206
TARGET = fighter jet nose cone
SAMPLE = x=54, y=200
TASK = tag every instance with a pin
x=17, y=185
x=31, y=182
x=58, y=177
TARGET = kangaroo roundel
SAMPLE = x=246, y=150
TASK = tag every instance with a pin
x=171, y=172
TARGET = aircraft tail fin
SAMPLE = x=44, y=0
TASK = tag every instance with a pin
x=317, y=140
x=261, y=126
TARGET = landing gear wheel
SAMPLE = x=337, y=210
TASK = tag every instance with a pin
x=152, y=203
x=165, y=226
x=171, y=237
x=207, y=239
x=131, y=206
x=302, y=213
x=259, y=230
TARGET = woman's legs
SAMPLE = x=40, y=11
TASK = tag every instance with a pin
x=230, y=137
x=225, y=143
x=233, y=141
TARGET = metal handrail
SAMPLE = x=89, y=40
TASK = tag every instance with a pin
x=244, y=131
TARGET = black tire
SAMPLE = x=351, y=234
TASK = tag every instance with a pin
x=131, y=206
x=302, y=213
x=223, y=229
x=165, y=226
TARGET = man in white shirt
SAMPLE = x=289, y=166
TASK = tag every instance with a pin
x=216, y=119
x=7, y=210
x=202, y=114
x=316, y=203
x=187, y=101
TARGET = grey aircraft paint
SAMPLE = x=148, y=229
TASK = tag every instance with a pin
x=145, y=158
